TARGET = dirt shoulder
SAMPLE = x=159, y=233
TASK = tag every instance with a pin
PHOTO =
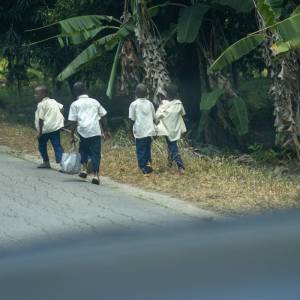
x=222, y=185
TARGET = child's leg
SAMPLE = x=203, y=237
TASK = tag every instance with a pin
x=42, y=141
x=83, y=150
x=95, y=153
x=174, y=154
x=55, y=141
x=149, y=156
x=142, y=153
x=170, y=160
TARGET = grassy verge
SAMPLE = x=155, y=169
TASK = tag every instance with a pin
x=224, y=185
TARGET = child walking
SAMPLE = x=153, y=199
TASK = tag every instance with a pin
x=86, y=116
x=171, y=125
x=49, y=120
x=142, y=114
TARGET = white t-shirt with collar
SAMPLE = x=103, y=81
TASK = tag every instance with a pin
x=49, y=110
x=142, y=113
x=87, y=112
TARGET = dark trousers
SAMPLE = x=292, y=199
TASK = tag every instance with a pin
x=91, y=148
x=173, y=154
x=54, y=137
x=143, y=153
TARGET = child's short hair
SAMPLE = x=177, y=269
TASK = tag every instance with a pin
x=79, y=88
x=42, y=88
x=172, y=91
x=141, y=90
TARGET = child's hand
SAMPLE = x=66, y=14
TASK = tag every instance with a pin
x=106, y=135
x=73, y=140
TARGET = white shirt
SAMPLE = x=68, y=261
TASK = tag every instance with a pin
x=142, y=112
x=87, y=112
x=171, y=124
x=49, y=110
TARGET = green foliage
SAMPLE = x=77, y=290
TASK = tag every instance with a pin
x=266, y=11
x=255, y=92
x=282, y=47
x=204, y=122
x=77, y=30
x=15, y=18
x=288, y=31
x=19, y=108
x=189, y=22
x=296, y=11
x=93, y=52
x=289, y=28
x=237, y=50
x=113, y=73
x=238, y=113
x=209, y=100
x=262, y=155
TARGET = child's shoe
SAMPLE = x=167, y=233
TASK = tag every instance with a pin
x=181, y=171
x=96, y=180
x=147, y=170
x=44, y=165
x=83, y=172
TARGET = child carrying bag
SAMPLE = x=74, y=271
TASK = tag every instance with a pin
x=70, y=162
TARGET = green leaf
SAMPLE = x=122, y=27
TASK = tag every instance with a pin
x=237, y=50
x=296, y=11
x=85, y=57
x=209, y=100
x=277, y=6
x=282, y=47
x=167, y=35
x=93, y=52
x=189, y=22
x=80, y=23
x=77, y=30
x=289, y=28
x=238, y=114
x=113, y=73
x=153, y=11
x=203, y=122
x=266, y=11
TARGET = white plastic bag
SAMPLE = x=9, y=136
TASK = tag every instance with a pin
x=70, y=162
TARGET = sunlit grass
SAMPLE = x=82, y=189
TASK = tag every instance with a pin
x=218, y=183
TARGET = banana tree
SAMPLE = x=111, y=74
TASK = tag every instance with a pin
x=280, y=40
x=134, y=38
x=217, y=89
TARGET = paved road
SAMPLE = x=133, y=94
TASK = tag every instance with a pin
x=46, y=204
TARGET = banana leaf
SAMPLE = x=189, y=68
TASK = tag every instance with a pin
x=189, y=22
x=237, y=50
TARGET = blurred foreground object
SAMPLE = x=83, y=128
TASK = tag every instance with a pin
x=242, y=260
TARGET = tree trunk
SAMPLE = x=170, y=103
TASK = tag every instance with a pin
x=153, y=55
x=284, y=73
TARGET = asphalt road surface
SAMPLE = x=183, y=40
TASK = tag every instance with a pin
x=45, y=204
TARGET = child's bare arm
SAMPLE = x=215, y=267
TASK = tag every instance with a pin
x=104, y=125
x=41, y=125
x=73, y=126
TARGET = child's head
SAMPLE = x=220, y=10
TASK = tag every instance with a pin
x=79, y=89
x=172, y=91
x=40, y=92
x=141, y=91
